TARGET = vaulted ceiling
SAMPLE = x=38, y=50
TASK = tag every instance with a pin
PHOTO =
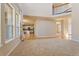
x=36, y=9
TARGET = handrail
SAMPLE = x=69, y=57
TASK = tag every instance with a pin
x=66, y=11
x=60, y=5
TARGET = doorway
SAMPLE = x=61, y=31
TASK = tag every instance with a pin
x=64, y=27
x=28, y=31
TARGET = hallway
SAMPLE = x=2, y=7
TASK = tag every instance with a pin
x=46, y=47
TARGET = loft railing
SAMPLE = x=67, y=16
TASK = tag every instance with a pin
x=67, y=10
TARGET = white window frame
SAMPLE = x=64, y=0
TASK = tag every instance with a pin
x=18, y=20
x=20, y=17
x=15, y=10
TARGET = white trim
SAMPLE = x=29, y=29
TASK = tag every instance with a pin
x=12, y=49
x=9, y=40
x=14, y=22
x=0, y=45
x=16, y=12
x=75, y=40
x=11, y=5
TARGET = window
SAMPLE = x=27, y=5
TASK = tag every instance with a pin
x=9, y=21
x=17, y=25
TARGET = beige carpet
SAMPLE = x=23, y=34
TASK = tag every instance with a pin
x=46, y=47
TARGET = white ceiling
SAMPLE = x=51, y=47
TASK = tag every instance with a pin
x=36, y=9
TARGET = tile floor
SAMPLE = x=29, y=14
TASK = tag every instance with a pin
x=47, y=47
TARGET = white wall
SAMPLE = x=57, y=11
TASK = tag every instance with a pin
x=36, y=9
x=75, y=21
x=45, y=28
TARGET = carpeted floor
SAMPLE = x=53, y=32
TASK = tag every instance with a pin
x=47, y=47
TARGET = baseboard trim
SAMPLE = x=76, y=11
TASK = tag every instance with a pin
x=75, y=40
x=43, y=37
x=0, y=45
x=12, y=49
